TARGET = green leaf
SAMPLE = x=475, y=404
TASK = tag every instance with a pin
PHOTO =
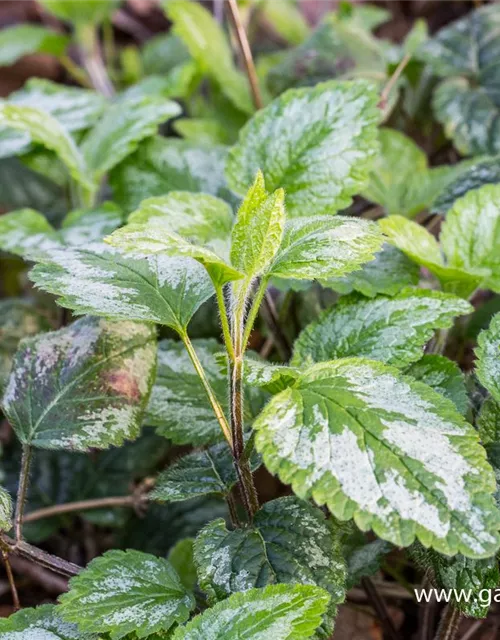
x=84, y=226
x=390, y=452
x=179, y=406
x=258, y=230
x=488, y=422
x=286, y=19
x=325, y=247
x=122, y=128
x=478, y=173
x=289, y=542
x=5, y=510
x=46, y=130
x=25, y=39
x=127, y=591
x=35, y=621
x=201, y=130
x=388, y=273
x=363, y=558
x=161, y=165
x=100, y=281
x=18, y=319
x=422, y=247
x=488, y=358
x=469, y=96
x=444, y=376
x=158, y=225
x=82, y=12
x=393, y=330
x=83, y=386
x=181, y=559
x=315, y=143
x=200, y=473
x=470, y=235
x=162, y=53
x=208, y=45
x=278, y=612
x=272, y=378
x=461, y=575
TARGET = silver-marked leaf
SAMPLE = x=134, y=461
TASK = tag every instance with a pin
x=488, y=354
x=422, y=247
x=465, y=53
x=25, y=39
x=363, y=558
x=388, y=273
x=46, y=130
x=179, y=407
x=257, y=232
x=278, y=612
x=325, y=247
x=271, y=377
x=161, y=165
x=444, y=376
x=386, y=450
x=5, y=510
x=84, y=386
x=488, y=421
x=195, y=225
x=18, y=319
x=100, y=281
x=45, y=617
x=209, y=46
x=35, y=633
x=122, y=127
x=84, y=226
x=393, y=330
x=124, y=592
x=470, y=235
x=27, y=233
x=289, y=542
x=83, y=12
x=207, y=472
x=316, y=143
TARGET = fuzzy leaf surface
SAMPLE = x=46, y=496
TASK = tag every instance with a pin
x=488, y=422
x=123, y=592
x=278, y=612
x=180, y=557
x=392, y=330
x=83, y=386
x=488, y=355
x=316, y=143
x=271, y=377
x=25, y=39
x=100, y=281
x=389, y=452
x=45, y=617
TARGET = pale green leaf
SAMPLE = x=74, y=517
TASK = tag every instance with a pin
x=316, y=143
x=416, y=37
x=201, y=130
x=84, y=386
x=271, y=377
x=444, y=376
x=181, y=558
x=161, y=165
x=208, y=45
x=286, y=19
x=258, y=230
x=289, y=542
x=207, y=472
x=162, y=53
x=325, y=247
x=25, y=39
x=470, y=235
x=488, y=421
x=82, y=12
x=100, y=281
x=46, y=130
x=388, y=273
x=278, y=612
x=390, y=452
x=43, y=618
x=393, y=330
x=121, y=129
x=127, y=591
x=488, y=357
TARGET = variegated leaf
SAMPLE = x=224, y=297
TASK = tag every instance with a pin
x=488, y=354
x=43, y=619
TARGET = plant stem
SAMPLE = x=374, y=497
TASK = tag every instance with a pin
x=22, y=491
x=219, y=413
x=386, y=91
x=12, y=582
x=92, y=60
x=44, y=559
x=85, y=505
x=448, y=626
x=75, y=71
x=254, y=310
x=226, y=331
x=380, y=609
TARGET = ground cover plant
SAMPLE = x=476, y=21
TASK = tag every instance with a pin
x=250, y=324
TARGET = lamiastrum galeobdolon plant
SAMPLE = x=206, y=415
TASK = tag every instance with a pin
x=366, y=421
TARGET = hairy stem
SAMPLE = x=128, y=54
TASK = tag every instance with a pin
x=386, y=91
x=448, y=626
x=22, y=491
x=12, y=582
x=226, y=331
x=254, y=310
x=219, y=413
x=40, y=557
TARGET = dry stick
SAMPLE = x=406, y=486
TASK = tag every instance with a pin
x=85, y=505
x=12, y=582
x=22, y=491
x=448, y=626
x=380, y=609
x=268, y=309
x=472, y=630
x=384, y=96
x=44, y=559
x=51, y=582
